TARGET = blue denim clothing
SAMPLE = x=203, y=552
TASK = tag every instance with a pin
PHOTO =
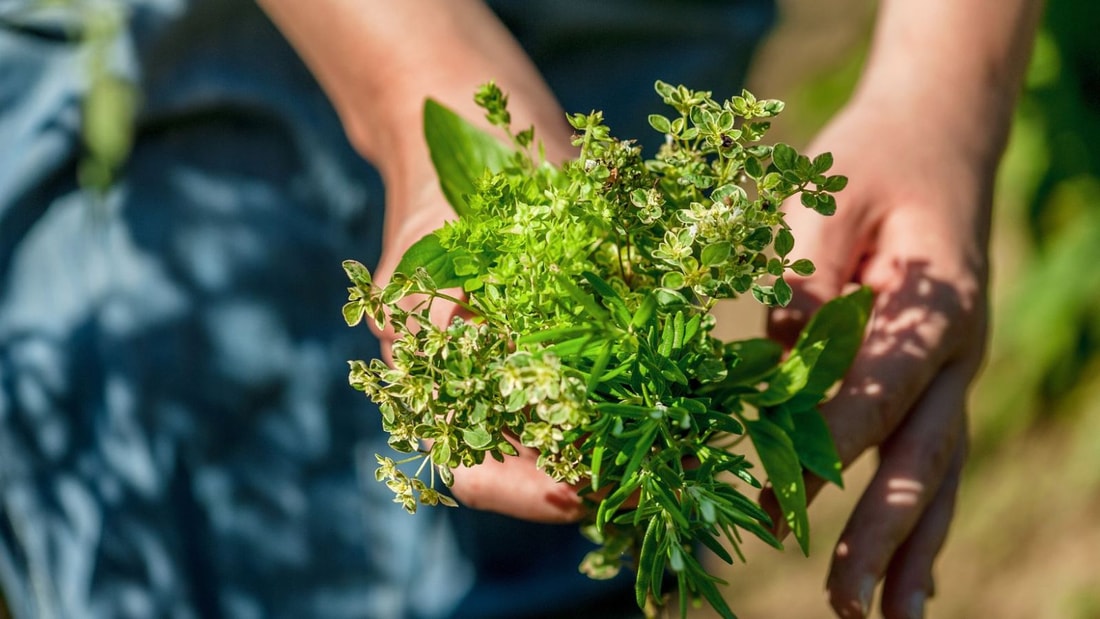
x=177, y=437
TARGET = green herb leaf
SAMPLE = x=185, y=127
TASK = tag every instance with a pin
x=815, y=446
x=780, y=459
x=429, y=254
x=460, y=152
x=839, y=322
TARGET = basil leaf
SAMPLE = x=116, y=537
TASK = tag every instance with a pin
x=460, y=152
x=777, y=454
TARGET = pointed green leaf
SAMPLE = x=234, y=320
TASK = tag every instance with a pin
x=777, y=454
x=841, y=323
x=476, y=437
x=460, y=152
x=791, y=377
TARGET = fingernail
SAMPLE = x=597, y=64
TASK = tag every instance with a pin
x=866, y=592
x=916, y=606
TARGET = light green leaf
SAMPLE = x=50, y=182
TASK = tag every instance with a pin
x=755, y=358
x=660, y=123
x=357, y=273
x=460, y=152
x=784, y=157
x=476, y=437
x=353, y=312
x=784, y=242
x=435, y=259
x=715, y=253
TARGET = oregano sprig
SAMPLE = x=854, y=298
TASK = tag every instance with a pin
x=589, y=289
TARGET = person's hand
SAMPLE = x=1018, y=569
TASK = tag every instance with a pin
x=912, y=225
x=920, y=143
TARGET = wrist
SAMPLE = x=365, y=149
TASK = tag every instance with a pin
x=953, y=67
x=971, y=122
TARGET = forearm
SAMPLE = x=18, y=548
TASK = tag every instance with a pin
x=955, y=62
x=378, y=60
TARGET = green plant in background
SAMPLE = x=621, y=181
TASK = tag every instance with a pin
x=1050, y=182
x=588, y=289
x=110, y=105
x=110, y=100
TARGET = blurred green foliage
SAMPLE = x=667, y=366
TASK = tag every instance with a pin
x=111, y=101
x=1046, y=327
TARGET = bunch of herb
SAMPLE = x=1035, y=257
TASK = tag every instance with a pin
x=587, y=291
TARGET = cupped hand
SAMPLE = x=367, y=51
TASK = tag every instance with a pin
x=912, y=225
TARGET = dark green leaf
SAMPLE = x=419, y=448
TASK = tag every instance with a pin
x=803, y=267
x=758, y=239
x=755, y=358
x=826, y=204
x=784, y=242
x=783, y=292
x=841, y=323
x=753, y=168
x=716, y=547
x=815, y=446
x=780, y=460
x=476, y=437
x=822, y=162
x=834, y=183
x=647, y=557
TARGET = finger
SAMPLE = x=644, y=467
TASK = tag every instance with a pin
x=909, y=581
x=516, y=487
x=914, y=463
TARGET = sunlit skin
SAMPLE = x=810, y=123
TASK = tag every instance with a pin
x=919, y=142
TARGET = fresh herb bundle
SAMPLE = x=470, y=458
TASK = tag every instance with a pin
x=588, y=291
